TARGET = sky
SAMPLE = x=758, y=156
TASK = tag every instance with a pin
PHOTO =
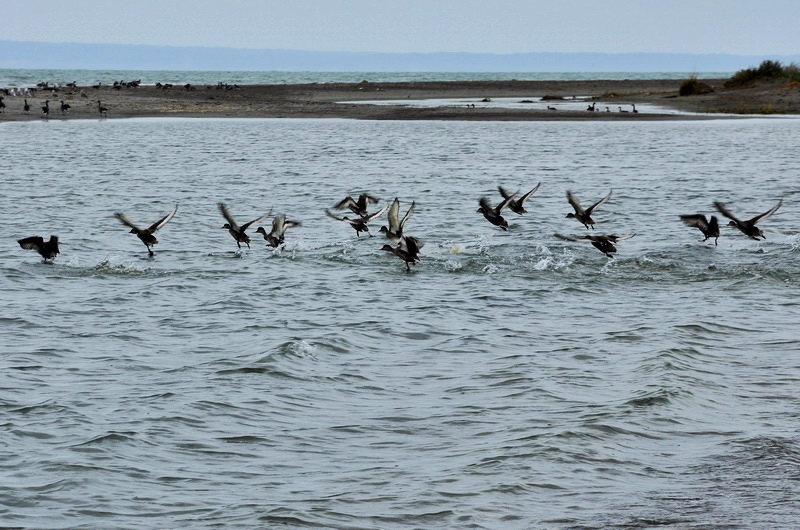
x=739, y=27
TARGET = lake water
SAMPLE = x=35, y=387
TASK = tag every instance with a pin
x=511, y=380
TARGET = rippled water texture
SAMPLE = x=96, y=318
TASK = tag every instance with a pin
x=511, y=380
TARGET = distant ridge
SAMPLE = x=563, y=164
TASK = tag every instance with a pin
x=73, y=56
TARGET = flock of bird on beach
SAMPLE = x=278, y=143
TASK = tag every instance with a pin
x=407, y=247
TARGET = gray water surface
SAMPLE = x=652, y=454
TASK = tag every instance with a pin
x=511, y=380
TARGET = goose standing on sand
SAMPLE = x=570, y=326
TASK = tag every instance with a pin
x=748, y=227
x=494, y=214
x=622, y=110
x=279, y=225
x=394, y=230
x=517, y=206
x=590, y=108
x=46, y=249
x=236, y=231
x=407, y=249
x=65, y=107
x=26, y=107
x=146, y=234
x=2, y=105
x=101, y=109
x=634, y=108
x=585, y=216
x=709, y=227
x=359, y=224
x=46, y=109
x=357, y=206
x=604, y=244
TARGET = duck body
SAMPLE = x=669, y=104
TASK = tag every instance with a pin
x=748, y=227
x=709, y=227
x=275, y=237
x=407, y=249
x=145, y=235
x=394, y=230
x=494, y=214
x=517, y=205
x=357, y=206
x=46, y=249
x=238, y=232
x=604, y=243
x=359, y=224
x=584, y=216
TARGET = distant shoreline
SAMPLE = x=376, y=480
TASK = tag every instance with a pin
x=333, y=100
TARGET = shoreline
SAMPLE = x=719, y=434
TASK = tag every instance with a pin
x=347, y=100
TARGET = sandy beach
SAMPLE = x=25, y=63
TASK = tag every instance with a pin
x=341, y=100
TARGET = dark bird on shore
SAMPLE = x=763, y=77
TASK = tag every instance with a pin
x=2, y=105
x=585, y=216
x=634, y=108
x=101, y=109
x=604, y=244
x=279, y=225
x=357, y=206
x=47, y=249
x=146, y=234
x=407, y=249
x=65, y=107
x=590, y=108
x=622, y=110
x=748, y=227
x=359, y=224
x=236, y=231
x=46, y=109
x=517, y=205
x=395, y=228
x=493, y=214
x=26, y=107
x=709, y=227
x=551, y=108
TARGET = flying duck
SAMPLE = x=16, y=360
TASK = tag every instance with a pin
x=604, y=244
x=279, y=225
x=359, y=224
x=236, y=231
x=748, y=227
x=585, y=216
x=517, y=206
x=709, y=227
x=395, y=229
x=145, y=235
x=47, y=249
x=357, y=206
x=493, y=215
x=407, y=249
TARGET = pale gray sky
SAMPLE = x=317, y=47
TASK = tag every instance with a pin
x=739, y=27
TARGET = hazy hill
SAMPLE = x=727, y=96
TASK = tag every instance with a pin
x=37, y=55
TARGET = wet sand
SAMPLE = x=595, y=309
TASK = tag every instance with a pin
x=339, y=100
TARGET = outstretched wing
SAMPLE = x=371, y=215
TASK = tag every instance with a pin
x=525, y=197
x=254, y=221
x=334, y=216
x=573, y=201
x=724, y=211
x=227, y=215
x=506, y=201
x=598, y=204
x=566, y=238
x=370, y=217
x=31, y=243
x=766, y=214
x=345, y=203
x=505, y=193
x=407, y=215
x=695, y=220
x=394, y=216
x=164, y=220
x=127, y=222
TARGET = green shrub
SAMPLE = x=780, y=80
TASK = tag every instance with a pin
x=693, y=87
x=766, y=71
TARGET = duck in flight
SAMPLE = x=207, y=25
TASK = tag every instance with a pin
x=709, y=227
x=236, y=231
x=394, y=230
x=748, y=227
x=357, y=206
x=604, y=244
x=407, y=249
x=360, y=223
x=145, y=235
x=494, y=214
x=46, y=249
x=279, y=225
x=585, y=216
x=517, y=205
